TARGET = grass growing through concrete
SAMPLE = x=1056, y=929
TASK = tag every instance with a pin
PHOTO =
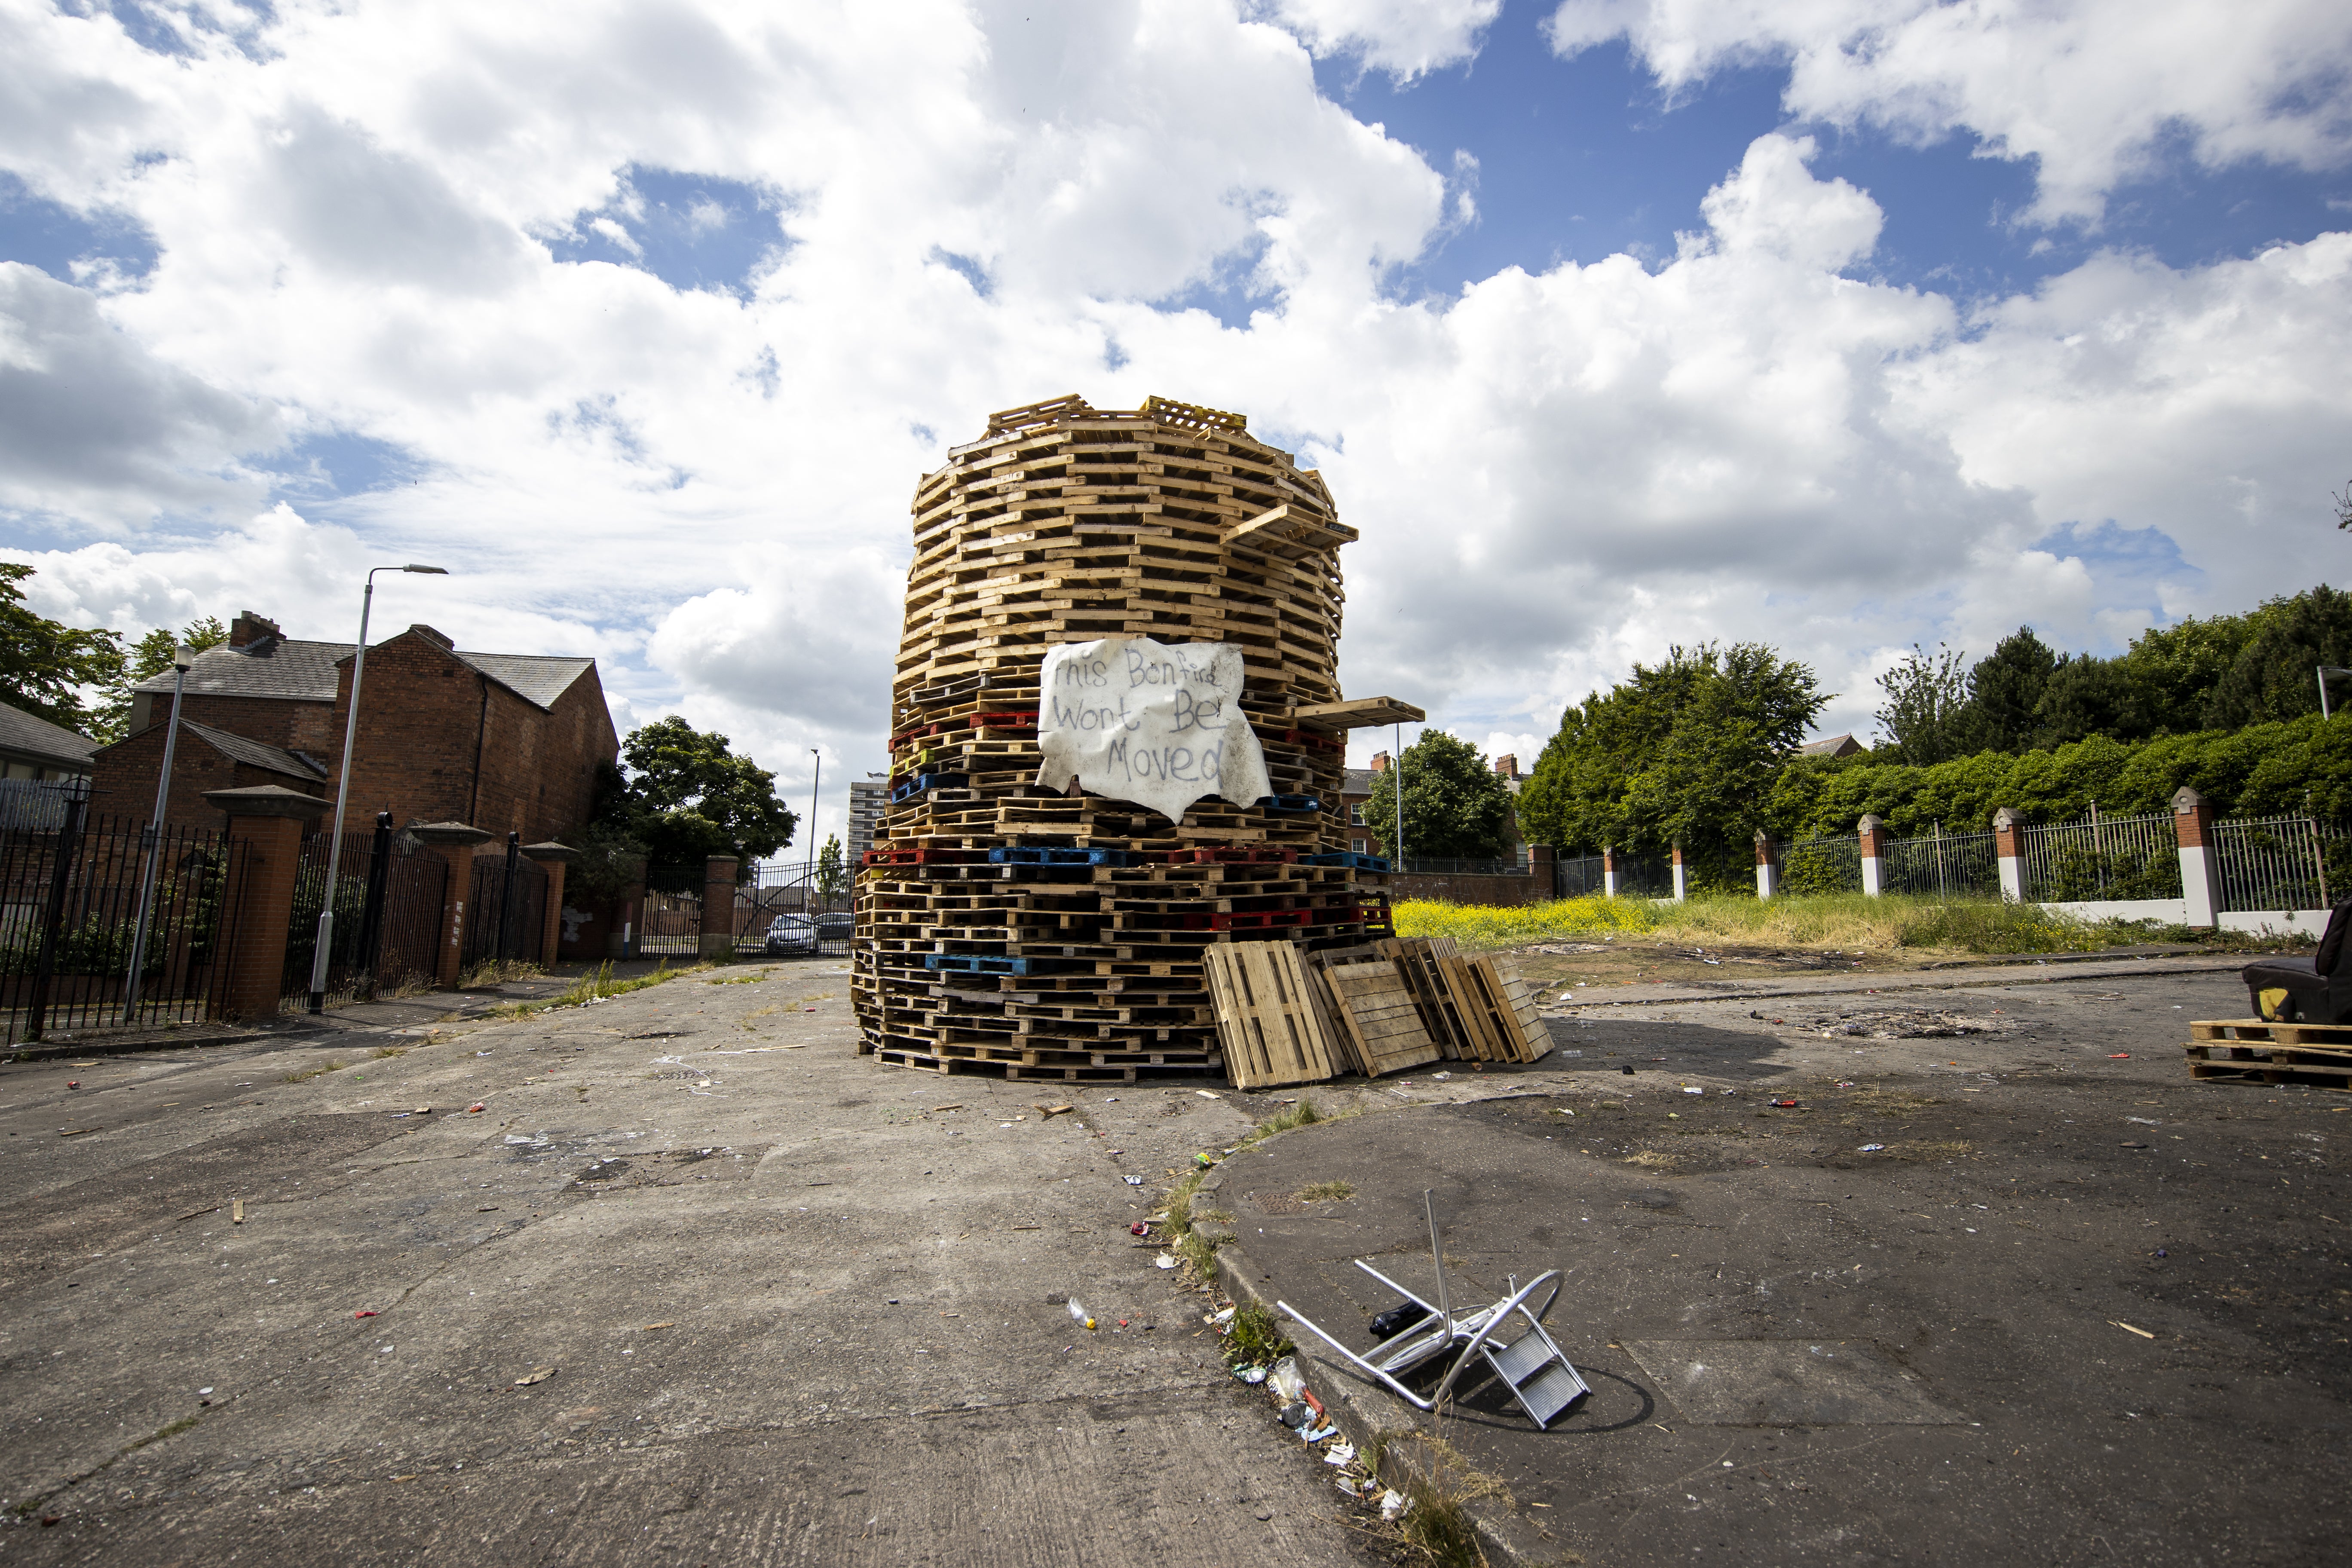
x=305, y=1074
x=594, y=986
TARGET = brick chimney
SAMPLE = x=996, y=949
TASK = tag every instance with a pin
x=1507, y=765
x=1379, y=761
x=251, y=626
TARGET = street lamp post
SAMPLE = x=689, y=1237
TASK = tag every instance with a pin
x=2324, y=671
x=343, y=788
x=152, y=839
x=814, y=779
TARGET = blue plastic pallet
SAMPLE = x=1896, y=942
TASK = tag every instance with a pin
x=1058, y=857
x=1289, y=803
x=923, y=782
x=1351, y=860
x=976, y=963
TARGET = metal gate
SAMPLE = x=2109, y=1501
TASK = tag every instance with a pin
x=506, y=916
x=669, y=919
x=789, y=908
x=388, y=902
x=70, y=891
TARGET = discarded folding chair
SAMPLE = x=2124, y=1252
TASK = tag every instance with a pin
x=1531, y=1366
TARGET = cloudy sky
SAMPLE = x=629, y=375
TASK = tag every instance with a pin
x=1612, y=323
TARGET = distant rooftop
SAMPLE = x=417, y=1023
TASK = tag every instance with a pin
x=294, y=670
x=30, y=735
x=1831, y=746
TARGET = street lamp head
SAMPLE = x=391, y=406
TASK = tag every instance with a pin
x=426, y=570
x=182, y=657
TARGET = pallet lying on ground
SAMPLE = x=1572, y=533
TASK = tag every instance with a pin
x=2253, y=1050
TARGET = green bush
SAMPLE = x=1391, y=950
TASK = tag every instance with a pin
x=2260, y=771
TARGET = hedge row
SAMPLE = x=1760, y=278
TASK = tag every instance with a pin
x=2260, y=771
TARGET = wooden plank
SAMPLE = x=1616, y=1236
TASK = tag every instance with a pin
x=1377, y=1012
x=1485, y=1040
x=1264, y=1016
x=1520, y=1008
x=1416, y=960
x=1345, y=1056
x=1364, y=713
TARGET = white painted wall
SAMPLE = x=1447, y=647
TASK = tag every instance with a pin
x=2172, y=912
x=2312, y=923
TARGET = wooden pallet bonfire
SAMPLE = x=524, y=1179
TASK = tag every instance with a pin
x=2253, y=1050
x=1007, y=927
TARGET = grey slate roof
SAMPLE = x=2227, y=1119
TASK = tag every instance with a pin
x=274, y=666
x=32, y=736
x=305, y=671
x=237, y=747
x=1356, y=781
x=538, y=678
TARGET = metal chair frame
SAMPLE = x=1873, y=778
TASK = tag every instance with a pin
x=1475, y=1333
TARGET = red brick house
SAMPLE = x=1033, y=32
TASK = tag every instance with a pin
x=501, y=741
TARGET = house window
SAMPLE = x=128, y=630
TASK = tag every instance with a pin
x=1356, y=814
x=1357, y=845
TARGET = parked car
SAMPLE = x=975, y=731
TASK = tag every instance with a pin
x=803, y=933
x=791, y=933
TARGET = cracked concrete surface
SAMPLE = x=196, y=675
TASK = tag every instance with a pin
x=796, y=1305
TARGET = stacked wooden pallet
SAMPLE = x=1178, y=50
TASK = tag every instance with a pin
x=1007, y=927
x=2250, y=1048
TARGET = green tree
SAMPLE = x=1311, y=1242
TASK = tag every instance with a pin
x=1455, y=806
x=44, y=664
x=688, y=796
x=832, y=874
x=1688, y=750
x=150, y=657
x=2274, y=675
x=2006, y=688
x=1927, y=717
x=2086, y=696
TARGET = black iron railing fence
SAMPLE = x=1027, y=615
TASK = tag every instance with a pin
x=69, y=899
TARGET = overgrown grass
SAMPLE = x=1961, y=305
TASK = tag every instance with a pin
x=496, y=972
x=1326, y=1192
x=1849, y=922
x=305, y=1074
x=1480, y=926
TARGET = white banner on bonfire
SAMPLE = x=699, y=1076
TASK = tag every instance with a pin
x=1157, y=723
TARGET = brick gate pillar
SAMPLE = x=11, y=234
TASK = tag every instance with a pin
x=2009, y=844
x=553, y=858
x=1872, y=831
x=1542, y=871
x=1682, y=876
x=455, y=842
x=2201, y=884
x=719, y=909
x=268, y=820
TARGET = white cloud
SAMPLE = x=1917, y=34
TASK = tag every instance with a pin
x=1556, y=474
x=2092, y=90
x=1402, y=37
x=94, y=424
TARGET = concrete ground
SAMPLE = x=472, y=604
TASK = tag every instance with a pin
x=2004, y=1286
x=696, y=1285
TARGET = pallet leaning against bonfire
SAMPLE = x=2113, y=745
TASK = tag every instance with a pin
x=2253, y=1049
